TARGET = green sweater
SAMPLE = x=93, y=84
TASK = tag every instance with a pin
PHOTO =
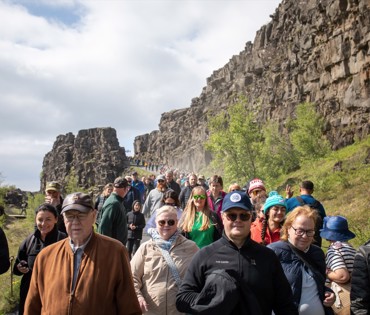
x=113, y=221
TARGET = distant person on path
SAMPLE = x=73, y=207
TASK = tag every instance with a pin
x=305, y=198
x=256, y=191
x=131, y=195
x=113, y=220
x=46, y=233
x=186, y=191
x=138, y=184
x=160, y=263
x=135, y=225
x=202, y=181
x=148, y=185
x=215, y=194
x=53, y=192
x=171, y=184
x=235, y=275
x=86, y=273
x=154, y=199
x=4, y=253
x=108, y=188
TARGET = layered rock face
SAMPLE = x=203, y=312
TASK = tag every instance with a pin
x=94, y=155
x=312, y=51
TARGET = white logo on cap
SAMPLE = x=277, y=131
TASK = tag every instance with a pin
x=235, y=197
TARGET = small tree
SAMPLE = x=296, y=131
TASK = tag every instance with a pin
x=72, y=183
x=234, y=141
x=307, y=133
x=277, y=155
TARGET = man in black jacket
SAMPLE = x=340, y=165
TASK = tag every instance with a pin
x=4, y=253
x=253, y=281
x=360, y=284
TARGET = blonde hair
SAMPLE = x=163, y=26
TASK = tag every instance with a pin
x=292, y=216
x=166, y=209
x=188, y=216
x=234, y=186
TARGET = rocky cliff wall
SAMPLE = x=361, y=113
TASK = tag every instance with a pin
x=94, y=154
x=313, y=50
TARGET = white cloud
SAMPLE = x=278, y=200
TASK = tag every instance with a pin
x=71, y=65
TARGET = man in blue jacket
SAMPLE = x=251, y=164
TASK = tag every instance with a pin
x=235, y=275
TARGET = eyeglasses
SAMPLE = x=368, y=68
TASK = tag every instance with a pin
x=170, y=204
x=301, y=232
x=196, y=197
x=80, y=217
x=242, y=216
x=169, y=222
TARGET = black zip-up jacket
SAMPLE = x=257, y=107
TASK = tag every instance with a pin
x=360, y=284
x=260, y=280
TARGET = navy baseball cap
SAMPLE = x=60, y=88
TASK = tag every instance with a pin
x=236, y=199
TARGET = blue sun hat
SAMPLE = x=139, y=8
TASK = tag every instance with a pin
x=274, y=199
x=335, y=228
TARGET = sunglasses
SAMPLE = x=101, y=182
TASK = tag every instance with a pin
x=169, y=222
x=170, y=204
x=242, y=216
x=160, y=181
x=196, y=197
x=256, y=192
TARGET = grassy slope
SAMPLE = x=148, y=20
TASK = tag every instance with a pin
x=345, y=192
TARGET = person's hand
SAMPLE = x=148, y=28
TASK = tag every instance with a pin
x=143, y=304
x=23, y=266
x=288, y=191
x=329, y=299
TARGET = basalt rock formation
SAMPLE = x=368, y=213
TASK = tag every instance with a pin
x=94, y=155
x=311, y=51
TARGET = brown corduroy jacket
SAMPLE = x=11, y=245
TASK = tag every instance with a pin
x=104, y=283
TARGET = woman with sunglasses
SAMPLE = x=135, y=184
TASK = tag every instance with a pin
x=170, y=198
x=267, y=230
x=159, y=264
x=46, y=233
x=304, y=263
x=198, y=223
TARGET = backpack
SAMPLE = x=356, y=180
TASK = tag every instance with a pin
x=314, y=206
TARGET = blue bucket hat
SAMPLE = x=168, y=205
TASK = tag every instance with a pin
x=274, y=199
x=336, y=229
x=236, y=199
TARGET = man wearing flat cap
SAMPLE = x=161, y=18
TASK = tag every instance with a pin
x=53, y=196
x=86, y=273
x=113, y=215
x=235, y=275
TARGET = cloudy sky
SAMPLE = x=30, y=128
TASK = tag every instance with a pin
x=67, y=65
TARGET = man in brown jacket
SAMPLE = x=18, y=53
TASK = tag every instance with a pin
x=86, y=273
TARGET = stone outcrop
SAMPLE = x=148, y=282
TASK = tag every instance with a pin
x=311, y=51
x=94, y=155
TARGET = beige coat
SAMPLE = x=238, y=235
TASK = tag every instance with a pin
x=153, y=279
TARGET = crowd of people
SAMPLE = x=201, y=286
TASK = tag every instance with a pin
x=244, y=251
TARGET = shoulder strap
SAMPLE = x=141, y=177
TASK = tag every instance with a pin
x=171, y=265
x=308, y=264
x=300, y=200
